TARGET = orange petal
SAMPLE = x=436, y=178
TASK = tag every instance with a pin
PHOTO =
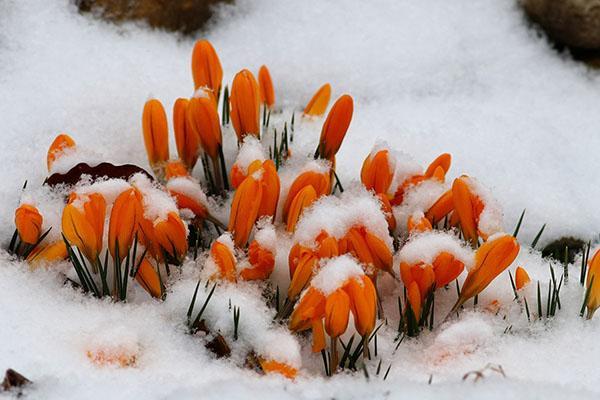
x=28, y=221
x=185, y=202
x=267, y=93
x=319, y=181
x=399, y=195
x=311, y=306
x=275, y=367
x=318, y=333
x=420, y=225
x=58, y=146
x=443, y=161
x=148, y=278
x=302, y=275
x=175, y=169
x=56, y=251
x=335, y=127
x=363, y=299
x=442, y=207
x=491, y=259
x=303, y=199
x=244, y=209
x=337, y=312
x=414, y=299
x=262, y=261
x=381, y=253
x=224, y=259
x=245, y=105
x=203, y=119
x=386, y=207
x=521, y=278
x=318, y=103
x=592, y=287
x=156, y=133
x=328, y=246
x=123, y=222
x=206, y=67
x=171, y=235
x=446, y=268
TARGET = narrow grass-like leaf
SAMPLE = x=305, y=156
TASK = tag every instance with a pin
x=516, y=232
x=537, y=237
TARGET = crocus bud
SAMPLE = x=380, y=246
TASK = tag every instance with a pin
x=186, y=139
x=57, y=148
x=224, y=259
x=204, y=120
x=318, y=103
x=378, y=171
x=337, y=312
x=303, y=199
x=244, y=209
x=156, y=133
x=335, y=127
x=148, y=278
x=267, y=93
x=206, y=67
x=171, y=235
x=28, y=221
x=123, y=223
x=245, y=105
x=468, y=207
x=443, y=160
x=320, y=181
x=271, y=185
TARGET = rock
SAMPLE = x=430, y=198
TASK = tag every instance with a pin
x=14, y=381
x=556, y=249
x=185, y=16
x=573, y=23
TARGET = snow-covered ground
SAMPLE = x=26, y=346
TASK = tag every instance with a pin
x=432, y=76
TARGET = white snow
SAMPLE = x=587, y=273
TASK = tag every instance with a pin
x=425, y=247
x=335, y=272
x=468, y=78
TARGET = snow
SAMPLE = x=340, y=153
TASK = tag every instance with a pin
x=335, y=272
x=468, y=78
x=425, y=247
x=250, y=151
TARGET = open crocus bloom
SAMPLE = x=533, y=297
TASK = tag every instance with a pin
x=245, y=105
x=477, y=211
x=368, y=248
x=340, y=287
x=521, y=278
x=206, y=67
x=491, y=259
x=592, y=301
x=156, y=134
x=28, y=221
x=318, y=103
x=148, y=278
x=335, y=127
x=61, y=143
x=267, y=93
x=186, y=139
x=83, y=223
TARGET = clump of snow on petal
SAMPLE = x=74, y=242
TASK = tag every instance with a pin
x=336, y=215
x=405, y=168
x=156, y=202
x=108, y=188
x=188, y=187
x=425, y=247
x=265, y=234
x=418, y=198
x=251, y=150
x=335, y=272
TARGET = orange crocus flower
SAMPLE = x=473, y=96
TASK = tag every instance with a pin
x=521, y=278
x=267, y=93
x=148, y=278
x=363, y=304
x=224, y=259
x=416, y=224
x=171, y=236
x=83, y=223
x=56, y=251
x=270, y=193
x=318, y=103
x=468, y=207
x=58, y=146
x=491, y=259
x=305, y=197
x=245, y=105
x=446, y=268
x=123, y=223
x=386, y=207
x=320, y=181
x=337, y=313
x=377, y=171
x=204, y=121
x=443, y=160
x=238, y=175
x=28, y=221
x=262, y=262
x=206, y=67
x=592, y=302
x=156, y=133
x=244, y=209
x=186, y=139
x=369, y=249
x=335, y=127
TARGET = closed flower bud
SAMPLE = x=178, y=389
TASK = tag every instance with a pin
x=318, y=103
x=28, y=221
